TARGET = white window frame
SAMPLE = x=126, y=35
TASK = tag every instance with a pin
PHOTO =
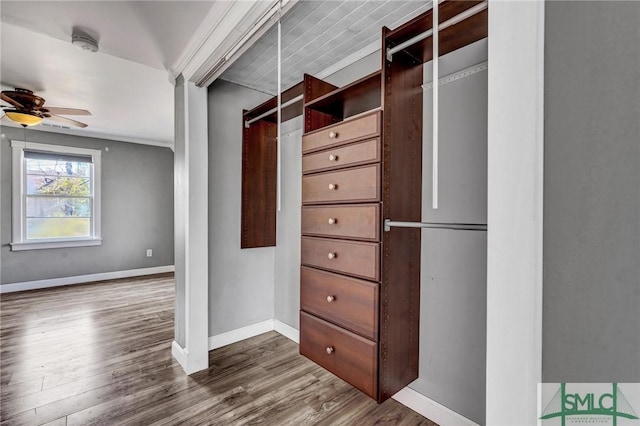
x=18, y=198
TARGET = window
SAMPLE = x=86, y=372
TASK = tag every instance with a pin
x=56, y=196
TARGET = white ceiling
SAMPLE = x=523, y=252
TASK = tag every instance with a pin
x=317, y=34
x=125, y=85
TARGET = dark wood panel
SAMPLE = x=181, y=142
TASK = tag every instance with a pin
x=313, y=89
x=357, y=221
x=357, y=97
x=361, y=184
x=343, y=156
x=259, y=168
x=345, y=354
x=363, y=127
x=355, y=258
x=347, y=302
x=402, y=170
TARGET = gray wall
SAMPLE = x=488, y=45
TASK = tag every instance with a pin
x=241, y=282
x=591, y=311
x=137, y=212
x=287, y=250
x=453, y=299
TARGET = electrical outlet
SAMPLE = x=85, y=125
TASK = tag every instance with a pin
x=149, y=252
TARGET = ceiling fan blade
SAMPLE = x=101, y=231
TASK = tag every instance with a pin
x=65, y=120
x=65, y=111
x=11, y=101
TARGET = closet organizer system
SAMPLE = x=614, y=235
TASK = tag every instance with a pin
x=361, y=163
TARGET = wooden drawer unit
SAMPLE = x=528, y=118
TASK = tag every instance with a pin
x=366, y=126
x=348, y=302
x=342, y=156
x=350, y=257
x=358, y=221
x=360, y=184
x=347, y=355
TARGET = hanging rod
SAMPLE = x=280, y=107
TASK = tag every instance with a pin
x=247, y=123
x=388, y=224
x=446, y=24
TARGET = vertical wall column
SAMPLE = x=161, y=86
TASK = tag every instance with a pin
x=190, y=346
x=515, y=185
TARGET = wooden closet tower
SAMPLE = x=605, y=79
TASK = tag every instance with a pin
x=362, y=164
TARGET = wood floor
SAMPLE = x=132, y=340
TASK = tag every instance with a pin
x=101, y=354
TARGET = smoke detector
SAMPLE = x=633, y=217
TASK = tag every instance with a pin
x=84, y=41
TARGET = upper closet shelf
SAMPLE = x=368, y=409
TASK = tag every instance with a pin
x=333, y=102
x=326, y=104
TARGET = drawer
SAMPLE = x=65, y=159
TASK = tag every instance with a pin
x=359, y=184
x=342, y=156
x=350, y=257
x=347, y=355
x=348, y=302
x=363, y=127
x=361, y=221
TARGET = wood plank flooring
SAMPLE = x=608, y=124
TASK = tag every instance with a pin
x=100, y=354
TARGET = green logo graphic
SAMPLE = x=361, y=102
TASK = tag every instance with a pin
x=613, y=405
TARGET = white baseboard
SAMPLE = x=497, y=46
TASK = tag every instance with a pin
x=83, y=279
x=430, y=409
x=179, y=353
x=188, y=363
x=286, y=330
x=239, y=334
x=233, y=336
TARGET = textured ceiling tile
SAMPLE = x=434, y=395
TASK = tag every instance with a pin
x=315, y=35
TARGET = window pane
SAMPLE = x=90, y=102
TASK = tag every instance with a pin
x=58, y=185
x=37, y=166
x=64, y=227
x=58, y=207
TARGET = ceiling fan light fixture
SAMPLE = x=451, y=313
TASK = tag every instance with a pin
x=24, y=119
x=84, y=42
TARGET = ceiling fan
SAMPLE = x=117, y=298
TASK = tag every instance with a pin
x=28, y=109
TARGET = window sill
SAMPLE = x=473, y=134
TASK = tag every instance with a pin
x=54, y=244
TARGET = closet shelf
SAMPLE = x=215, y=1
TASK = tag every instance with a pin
x=357, y=97
x=288, y=113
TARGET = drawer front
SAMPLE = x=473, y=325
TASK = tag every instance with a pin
x=343, y=156
x=353, y=221
x=348, y=302
x=338, y=134
x=349, y=356
x=350, y=257
x=361, y=184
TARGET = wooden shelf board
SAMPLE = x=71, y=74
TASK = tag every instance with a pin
x=334, y=101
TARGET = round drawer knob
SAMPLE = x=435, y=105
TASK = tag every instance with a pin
x=333, y=186
x=332, y=255
x=333, y=135
x=333, y=157
x=331, y=298
x=332, y=221
x=329, y=350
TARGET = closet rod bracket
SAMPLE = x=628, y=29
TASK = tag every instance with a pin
x=388, y=224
